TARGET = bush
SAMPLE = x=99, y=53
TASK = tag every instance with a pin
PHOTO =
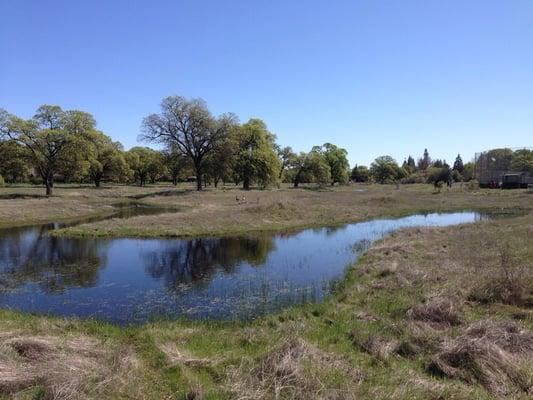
x=417, y=177
x=2, y=182
x=36, y=180
x=472, y=185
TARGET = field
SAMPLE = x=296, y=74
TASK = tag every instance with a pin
x=432, y=313
x=233, y=211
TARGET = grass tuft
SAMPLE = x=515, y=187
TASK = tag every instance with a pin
x=489, y=354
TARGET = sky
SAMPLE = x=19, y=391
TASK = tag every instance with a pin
x=375, y=77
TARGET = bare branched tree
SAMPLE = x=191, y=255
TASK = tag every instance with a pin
x=187, y=125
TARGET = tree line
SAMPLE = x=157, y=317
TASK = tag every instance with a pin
x=65, y=145
x=385, y=169
x=57, y=144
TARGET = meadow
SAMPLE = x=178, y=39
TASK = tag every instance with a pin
x=426, y=313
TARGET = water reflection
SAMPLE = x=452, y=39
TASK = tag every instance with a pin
x=55, y=264
x=132, y=280
x=195, y=261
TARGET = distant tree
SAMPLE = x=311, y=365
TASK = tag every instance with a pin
x=468, y=172
x=53, y=137
x=286, y=156
x=310, y=167
x=411, y=165
x=360, y=173
x=255, y=158
x=221, y=161
x=458, y=164
x=145, y=163
x=157, y=167
x=175, y=162
x=437, y=164
x=424, y=162
x=106, y=160
x=5, y=123
x=437, y=176
x=337, y=159
x=499, y=159
x=14, y=166
x=522, y=160
x=188, y=126
x=385, y=169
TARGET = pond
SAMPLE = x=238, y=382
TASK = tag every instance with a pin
x=128, y=281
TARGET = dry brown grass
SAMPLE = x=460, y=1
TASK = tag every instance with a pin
x=489, y=354
x=375, y=345
x=293, y=370
x=72, y=367
x=217, y=211
x=439, y=313
x=28, y=204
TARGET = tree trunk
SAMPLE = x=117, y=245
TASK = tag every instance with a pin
x=246, y=183
x=199, y=173
x=97, y=180
x=49, y=187
x=199, y=185
x=175, y=179
x=297, y=178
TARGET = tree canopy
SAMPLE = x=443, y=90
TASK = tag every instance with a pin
x=188, y=126
x=360, y=173
x=145, y=163
x=310, y=167
x=385, y=169
x=55, y=139
x=337, y=159
x=255, y=158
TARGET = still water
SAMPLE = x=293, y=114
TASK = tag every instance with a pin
x=134, y=280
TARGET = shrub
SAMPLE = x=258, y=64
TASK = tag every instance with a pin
x=472, y=185
x=417, y=177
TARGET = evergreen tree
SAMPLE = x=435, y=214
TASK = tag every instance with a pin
x=411, y=163
x=437, y=164
x=458, y=164
x=425, y=161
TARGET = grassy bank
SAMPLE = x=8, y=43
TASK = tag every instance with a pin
x=426, y=313
x=231, y=211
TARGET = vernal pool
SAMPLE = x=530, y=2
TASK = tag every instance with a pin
x=133, y=280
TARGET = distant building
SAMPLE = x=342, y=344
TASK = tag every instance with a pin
x=494, y=169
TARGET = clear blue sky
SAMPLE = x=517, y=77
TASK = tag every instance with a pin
x=375, y=77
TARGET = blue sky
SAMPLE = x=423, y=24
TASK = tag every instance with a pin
x=375, y=77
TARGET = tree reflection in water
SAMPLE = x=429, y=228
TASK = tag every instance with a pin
x=194, y=262
x=55, y=264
